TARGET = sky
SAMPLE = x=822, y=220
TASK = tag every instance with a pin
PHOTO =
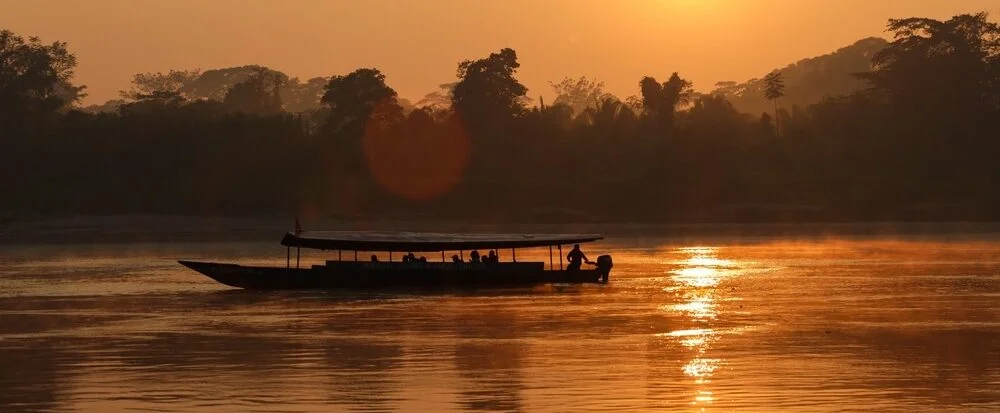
x=417, y=44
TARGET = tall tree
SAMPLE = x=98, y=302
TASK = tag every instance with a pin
x=487, y=91
x=774, y=88
x=34, y=77
x=610, y=117
x=661, y=101
x=258, y=95
x=939, y=81
x=358, y=100
x=934, y=64
x=214, y=84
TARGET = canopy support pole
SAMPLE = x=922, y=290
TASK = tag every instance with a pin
x=513, y=254
x=390, y=256
x=355, y=255
x=560, y=257
x=338, y=255
x=461, y=255
x=288, y=257
x=551, y=267
x=442, y=256
x=298, y=252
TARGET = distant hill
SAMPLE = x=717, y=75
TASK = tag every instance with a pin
x=809, y=80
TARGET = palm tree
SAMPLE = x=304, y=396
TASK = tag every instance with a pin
x=663, y=100
x=608, y=115
x=774, y=88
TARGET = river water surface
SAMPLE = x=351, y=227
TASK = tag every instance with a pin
x=802, y=326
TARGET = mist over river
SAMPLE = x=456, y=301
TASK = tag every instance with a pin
x=775, y=324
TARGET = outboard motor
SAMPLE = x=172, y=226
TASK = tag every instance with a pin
x=604, y=265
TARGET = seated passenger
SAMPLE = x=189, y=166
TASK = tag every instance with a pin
x=423, y=259
x=454, y=258
x=374, y=258
x=493, y=258
x=474, y=256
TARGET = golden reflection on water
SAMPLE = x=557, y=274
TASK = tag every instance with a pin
x=696, y=280
x=887, y=326
x=698, y=306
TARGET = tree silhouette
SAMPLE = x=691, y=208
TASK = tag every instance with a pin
x=774, y=88
x=579, y=94
x=34, y=78
x=932, y=64
x=358, y=99
x=301, y=96
x=258, y=95
x=214, y=84
x=609, y=115
x=661, y=100
x=145, y=85
x=439, y=100
x=918, y=144
x=487, y=91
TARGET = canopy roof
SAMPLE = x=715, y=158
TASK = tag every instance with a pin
x=423, y=241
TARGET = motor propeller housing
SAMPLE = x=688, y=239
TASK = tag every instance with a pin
x=604, y=265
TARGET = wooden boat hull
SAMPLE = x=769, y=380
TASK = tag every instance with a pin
x=358, y=275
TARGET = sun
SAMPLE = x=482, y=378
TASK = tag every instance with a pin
x=691, y=6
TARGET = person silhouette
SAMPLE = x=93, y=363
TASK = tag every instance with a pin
x=576, y=258
x=474, y=256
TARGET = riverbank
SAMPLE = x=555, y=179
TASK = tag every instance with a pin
x=172, y=228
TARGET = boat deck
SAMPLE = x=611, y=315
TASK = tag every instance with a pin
x=445, y=266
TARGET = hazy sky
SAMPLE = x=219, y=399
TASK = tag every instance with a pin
x=418, y=43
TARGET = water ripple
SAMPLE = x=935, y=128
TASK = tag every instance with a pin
x=784, y=326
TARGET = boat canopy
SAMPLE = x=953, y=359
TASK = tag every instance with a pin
x=424, y=242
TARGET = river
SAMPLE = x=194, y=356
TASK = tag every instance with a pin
x=770, y=324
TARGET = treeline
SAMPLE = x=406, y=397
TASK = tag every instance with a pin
x=918, y=142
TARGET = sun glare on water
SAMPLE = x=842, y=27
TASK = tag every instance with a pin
x=696, y=279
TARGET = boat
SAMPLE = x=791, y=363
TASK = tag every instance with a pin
x=405, y=273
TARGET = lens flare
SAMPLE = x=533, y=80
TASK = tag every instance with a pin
x=418, y=167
